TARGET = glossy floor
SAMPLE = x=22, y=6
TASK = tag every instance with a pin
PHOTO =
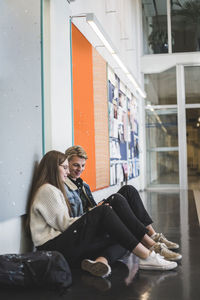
x=174, y=214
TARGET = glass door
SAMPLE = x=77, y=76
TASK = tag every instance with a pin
x=162, y=146
x=162, y=129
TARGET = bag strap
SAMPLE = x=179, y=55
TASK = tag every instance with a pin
x=32, y=271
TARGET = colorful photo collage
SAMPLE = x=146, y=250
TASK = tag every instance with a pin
x=123, y=131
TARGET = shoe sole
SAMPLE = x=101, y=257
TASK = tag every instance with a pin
x=174, y=259
x=172, y=248
x=157, y=268
x=95, y=268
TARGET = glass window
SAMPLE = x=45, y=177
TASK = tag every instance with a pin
x=161, y=88
x=161, y=128
x=163, y=167
x=155, y=26
x=162, y=146
x=192, y=84
x=185, y=23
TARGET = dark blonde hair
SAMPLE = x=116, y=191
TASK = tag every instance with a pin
x=47, y=172
x=75, y=151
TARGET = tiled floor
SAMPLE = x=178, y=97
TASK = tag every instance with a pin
x=175, y=215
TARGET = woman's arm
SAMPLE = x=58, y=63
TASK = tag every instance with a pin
x=50, y=204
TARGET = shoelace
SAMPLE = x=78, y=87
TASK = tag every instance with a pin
x=160, y=246
x=163, y=245
x=159, y=257
x=163, y=237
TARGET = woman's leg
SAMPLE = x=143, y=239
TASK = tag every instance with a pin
x=81, y=238
x=77, y=241
x=111, y=253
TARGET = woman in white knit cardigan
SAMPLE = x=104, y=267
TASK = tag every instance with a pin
x=87, y=240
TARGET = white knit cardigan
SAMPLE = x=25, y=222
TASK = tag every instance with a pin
x=49, y=215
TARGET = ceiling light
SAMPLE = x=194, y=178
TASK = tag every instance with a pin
x=120, y=63
x=96, y=26
x=92, y=20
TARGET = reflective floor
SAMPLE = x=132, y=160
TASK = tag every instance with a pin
x=175, y=215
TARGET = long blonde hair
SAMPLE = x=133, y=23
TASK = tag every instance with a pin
x=47, y=172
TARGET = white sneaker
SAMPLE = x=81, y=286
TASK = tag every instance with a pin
x=96, y=268
x=156, y=262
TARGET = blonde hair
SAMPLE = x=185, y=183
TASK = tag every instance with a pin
x=75, y=151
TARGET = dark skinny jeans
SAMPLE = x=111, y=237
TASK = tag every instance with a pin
x=128, y=204
x=105, y=230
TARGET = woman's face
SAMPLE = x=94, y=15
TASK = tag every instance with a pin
x=63, y=170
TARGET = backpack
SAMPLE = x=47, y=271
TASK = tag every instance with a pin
x=35, y=269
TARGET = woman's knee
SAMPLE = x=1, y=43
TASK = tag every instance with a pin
x=96, y=215
x=102, y=209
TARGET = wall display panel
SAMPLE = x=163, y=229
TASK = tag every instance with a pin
x=90, y=109
x=20, y=101
x=83, y=101
x=105, y=117
x=123, y=131
x=101, y=120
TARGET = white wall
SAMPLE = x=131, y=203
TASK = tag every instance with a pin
x=21, y=125
x=161, y=62
x=121, y=20
x=57, y=75
x=13, y=238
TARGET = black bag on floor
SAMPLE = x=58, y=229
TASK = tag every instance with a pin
x=35, y=269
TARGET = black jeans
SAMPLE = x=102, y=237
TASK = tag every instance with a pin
x=105, y=231
x=128, y=203
x=100, y=232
